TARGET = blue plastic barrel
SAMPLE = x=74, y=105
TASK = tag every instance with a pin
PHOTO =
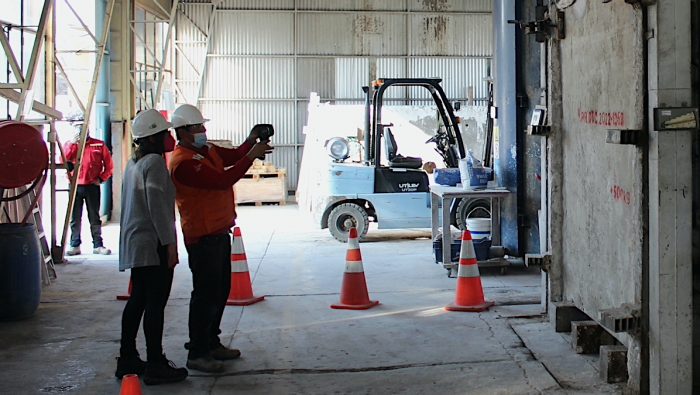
x=20, y=278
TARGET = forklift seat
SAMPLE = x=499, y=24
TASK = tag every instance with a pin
x=397, y=160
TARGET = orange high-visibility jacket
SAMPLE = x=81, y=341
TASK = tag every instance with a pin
x=207, y=210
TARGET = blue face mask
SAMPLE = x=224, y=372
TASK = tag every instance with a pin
x=200, y=140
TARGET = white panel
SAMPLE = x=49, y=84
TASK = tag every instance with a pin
x=316, y=75
x=355, y=5
x=252, y=33
x=259, y=78
x=457, y=75
x=351, y=34
x=393, y=68
x=232, y=120
x=458, y=35
x=190, y=36
x=451, y=5
x=257, y=4
x=351, y=75
x=192, y=21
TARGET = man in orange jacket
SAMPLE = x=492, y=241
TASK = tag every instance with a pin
x=96, y=168
x=204, y=197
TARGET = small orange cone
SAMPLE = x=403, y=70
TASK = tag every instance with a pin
x=130, y=385
x=128, y=292
x=241, y=293
x=470, y=294
x=353, y=295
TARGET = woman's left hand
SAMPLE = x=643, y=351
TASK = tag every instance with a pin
x=172, y=256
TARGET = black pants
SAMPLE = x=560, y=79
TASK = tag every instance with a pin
x=149, y=294
x=210, y=262
x=90, y=194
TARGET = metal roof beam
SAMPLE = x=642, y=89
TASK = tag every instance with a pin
x=33, y=63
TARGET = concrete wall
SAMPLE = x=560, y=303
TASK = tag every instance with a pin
x=603, y=88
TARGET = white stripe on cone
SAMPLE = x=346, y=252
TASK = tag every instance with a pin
x=354, y=267
x=239, y=266
x=468, y=271
x=237, y=246
x=467, y=250
x=353, y=243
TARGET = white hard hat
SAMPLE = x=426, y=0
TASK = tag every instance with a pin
x=149, y=122
x=186, y=115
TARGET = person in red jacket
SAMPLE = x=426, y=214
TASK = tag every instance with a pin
x=96, y=168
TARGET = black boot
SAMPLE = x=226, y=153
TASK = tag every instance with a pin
x=129, y=365
x=163, y=371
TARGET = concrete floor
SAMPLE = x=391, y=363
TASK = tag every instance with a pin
x=293, y=342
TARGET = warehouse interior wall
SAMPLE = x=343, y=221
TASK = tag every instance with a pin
x=265, y=58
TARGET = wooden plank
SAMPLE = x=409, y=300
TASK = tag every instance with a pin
x=14, y=96
x=260, y=189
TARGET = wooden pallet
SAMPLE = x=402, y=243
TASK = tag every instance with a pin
x=262, y=184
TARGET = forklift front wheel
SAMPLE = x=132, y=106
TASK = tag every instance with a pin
x=345, y=216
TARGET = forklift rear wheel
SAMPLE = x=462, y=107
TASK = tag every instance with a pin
x=345, y=216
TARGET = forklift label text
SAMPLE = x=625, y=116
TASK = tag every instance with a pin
x=602, y=118
x=408, y=187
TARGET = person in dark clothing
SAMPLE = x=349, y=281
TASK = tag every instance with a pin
x=203, y=175
x=148, y=246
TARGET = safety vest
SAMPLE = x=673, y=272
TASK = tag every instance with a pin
x=202, y=211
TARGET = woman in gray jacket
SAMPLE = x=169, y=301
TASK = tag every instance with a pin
x=148, y=246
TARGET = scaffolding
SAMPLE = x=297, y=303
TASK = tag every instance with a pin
x=150, y=81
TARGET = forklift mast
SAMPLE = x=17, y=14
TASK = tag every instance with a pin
x=454, y=150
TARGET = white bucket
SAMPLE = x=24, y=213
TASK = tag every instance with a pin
x=479, y=227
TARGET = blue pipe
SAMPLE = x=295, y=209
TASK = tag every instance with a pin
x=506, y=163
x=102, y=105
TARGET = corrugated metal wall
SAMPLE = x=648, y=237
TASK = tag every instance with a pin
x=264, y=58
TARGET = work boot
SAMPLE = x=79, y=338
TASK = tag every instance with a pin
x=163, y=371
x=205, y=364
x=101, y=251
x=73, y=251
x=129, y=365
x=223, y=353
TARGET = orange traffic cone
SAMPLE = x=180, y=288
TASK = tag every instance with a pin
x=470, y=294
x=241, y=293
x=128, y=292
x=353, y=295
x=130, y=385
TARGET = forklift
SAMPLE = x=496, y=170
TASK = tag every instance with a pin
x=396, y=194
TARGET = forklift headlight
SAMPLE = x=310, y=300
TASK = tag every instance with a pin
x=338, y=148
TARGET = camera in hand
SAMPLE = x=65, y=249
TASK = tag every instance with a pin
x=265, y=131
